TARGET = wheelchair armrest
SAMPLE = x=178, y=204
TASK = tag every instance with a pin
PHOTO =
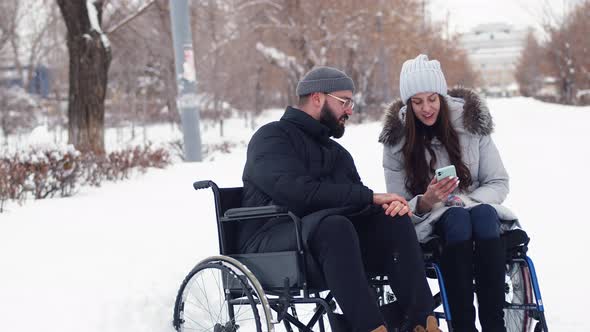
x=514, y=238
x=255, y=212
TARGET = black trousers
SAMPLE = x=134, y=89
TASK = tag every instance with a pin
x=347, y=248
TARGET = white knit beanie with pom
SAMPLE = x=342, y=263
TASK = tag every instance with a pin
x=421, y=75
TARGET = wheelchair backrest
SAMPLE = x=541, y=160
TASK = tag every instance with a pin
x=227, y=198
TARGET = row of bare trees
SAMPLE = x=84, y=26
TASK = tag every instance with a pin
x=562, y=61
x=252, y=53
x=249, y=55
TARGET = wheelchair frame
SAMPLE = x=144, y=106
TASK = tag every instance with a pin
x=285, y=291
x=534, y=310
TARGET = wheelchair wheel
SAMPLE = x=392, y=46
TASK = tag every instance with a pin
x=518, y=291
x=221, y=295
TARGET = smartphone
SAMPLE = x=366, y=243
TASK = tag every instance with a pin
x=445, y=172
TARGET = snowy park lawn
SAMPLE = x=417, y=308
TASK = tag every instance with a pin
x=112, y=258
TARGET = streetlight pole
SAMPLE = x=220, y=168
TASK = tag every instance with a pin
x=186, y=98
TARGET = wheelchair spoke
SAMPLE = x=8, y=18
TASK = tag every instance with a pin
x=206, y=300
x=220, y=293
x=202, y=328
x=198, y=306
x=241, y=315
x=198, y=302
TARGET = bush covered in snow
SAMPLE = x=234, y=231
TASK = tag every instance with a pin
x=44, y=173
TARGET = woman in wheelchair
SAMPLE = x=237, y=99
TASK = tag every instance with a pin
x=431, y=128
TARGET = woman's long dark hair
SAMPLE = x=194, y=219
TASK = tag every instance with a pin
x=418, y=141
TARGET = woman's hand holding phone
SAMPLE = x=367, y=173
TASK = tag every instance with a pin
x=437, y=191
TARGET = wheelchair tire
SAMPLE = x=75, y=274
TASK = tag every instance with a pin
x=221, y=295
x=518, y=291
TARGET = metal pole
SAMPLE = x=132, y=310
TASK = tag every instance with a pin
x=186, y=99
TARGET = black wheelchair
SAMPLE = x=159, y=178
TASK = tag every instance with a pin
x=270, y=291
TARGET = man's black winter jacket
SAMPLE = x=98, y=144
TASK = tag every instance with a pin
x=294, y=163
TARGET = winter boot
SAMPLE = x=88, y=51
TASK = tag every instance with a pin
x=457, y=268
x=489, y=283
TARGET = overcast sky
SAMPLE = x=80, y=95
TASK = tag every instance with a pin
x=466, y=14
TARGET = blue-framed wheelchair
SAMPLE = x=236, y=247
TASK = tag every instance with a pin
x=271, y=291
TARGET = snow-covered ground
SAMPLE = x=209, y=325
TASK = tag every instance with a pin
x=112, y=258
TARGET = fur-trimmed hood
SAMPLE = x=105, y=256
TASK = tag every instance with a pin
x=472, y=108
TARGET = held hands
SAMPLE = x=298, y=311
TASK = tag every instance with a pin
x=393, y=204
x=438, y=191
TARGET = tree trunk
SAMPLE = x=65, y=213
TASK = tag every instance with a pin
x=90, y=57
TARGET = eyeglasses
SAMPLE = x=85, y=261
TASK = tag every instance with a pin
x=346, y=103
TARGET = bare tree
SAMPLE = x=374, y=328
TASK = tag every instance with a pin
x=142, y=85
x=376, y=45
x=454, y=60
x=9, y=19
x=560, y=56
x=39, y=44
x=566, y=52
x=90, y=57
x=578, y=29
x=232, y=75
x=298, y=36
x=529, y=70
x=11, y=15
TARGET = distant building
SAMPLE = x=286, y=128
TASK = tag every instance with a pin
x=494, y=50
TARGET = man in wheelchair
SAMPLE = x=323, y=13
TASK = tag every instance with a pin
x=348, y=229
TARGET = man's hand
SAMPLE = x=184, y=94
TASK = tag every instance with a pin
x=380, y=199
x=393, y=204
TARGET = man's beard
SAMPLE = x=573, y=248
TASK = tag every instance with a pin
x=328, y=119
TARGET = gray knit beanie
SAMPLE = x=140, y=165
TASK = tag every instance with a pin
x=324, y=79
x=420, y=75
